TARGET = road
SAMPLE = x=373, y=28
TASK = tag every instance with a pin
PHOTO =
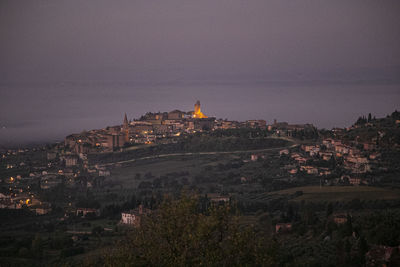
x=199, y=153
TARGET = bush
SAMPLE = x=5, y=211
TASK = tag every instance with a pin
x=24, y=253
x=68, y=252
x=179, y=235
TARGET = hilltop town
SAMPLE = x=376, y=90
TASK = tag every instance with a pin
x=101, y=180
x=151, y=128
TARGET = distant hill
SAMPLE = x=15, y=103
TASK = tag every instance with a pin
x=384, y=132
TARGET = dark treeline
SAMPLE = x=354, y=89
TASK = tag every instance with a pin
x=181, y=233
x=185, y=232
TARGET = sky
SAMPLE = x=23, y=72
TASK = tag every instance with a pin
x=168, y=53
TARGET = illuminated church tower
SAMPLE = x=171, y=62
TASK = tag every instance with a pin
x=197, y=111
x=125, y=129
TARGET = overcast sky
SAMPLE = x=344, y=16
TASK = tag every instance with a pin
x=71, y=65
x=198, y=40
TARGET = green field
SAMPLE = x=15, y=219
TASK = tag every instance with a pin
x=341, y=193
x=162, y=166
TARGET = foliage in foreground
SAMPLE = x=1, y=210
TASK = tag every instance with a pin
x=178, y=234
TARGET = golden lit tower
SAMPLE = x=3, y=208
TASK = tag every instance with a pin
x=197, y=111
x=125, y=128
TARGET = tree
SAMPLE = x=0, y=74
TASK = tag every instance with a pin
x=348, y=226
x=363, y=246
x=178, y=234
x=97, y=230
x=24, y=252
x=329, y=209
x=37, y=246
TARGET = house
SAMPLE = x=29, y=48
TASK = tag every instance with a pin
x=340, y=218
x=357, y=164
x=71, y=160
x=328, y=143
x=228, y=125
x=43, y=209
x=357, y=159
x=354, y=151
x=8, y=203
x=283, y=227
x=284, y=152
x=129, y=218
x=175, y=115
x=338, y=155
x=262, y=124
x=374, y=156
x=355, y=181
x=133, y=217
x=324, y=171
x=69, y=173
x=336, y=143
x=4, y=197
x=301, y=160
x=369, y=146
x=326, y=155
x=295, y=155
x=217, y=198
x=255, y=157
x=309, y=169
x=313, y=150
x=342, y=149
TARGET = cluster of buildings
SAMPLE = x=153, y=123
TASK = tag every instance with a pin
x=356, y=159
x=25, y=191
x=19, y=195
x=22, y=188
x=165, y=127
x=160, y=127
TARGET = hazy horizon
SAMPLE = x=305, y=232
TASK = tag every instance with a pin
x=77, y=108
x=66, y=66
